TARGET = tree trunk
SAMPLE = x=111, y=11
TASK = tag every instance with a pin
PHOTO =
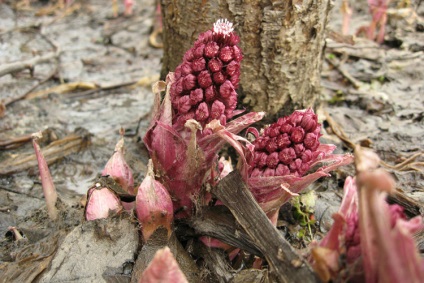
x=282, y=44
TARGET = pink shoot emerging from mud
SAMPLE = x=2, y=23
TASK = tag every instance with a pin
x=129, y=4
x=119, y=170
x=101, y=203
x=163, y=269
x=376, y=29
x=49, y=189
x=347, y=15
x=153, y=205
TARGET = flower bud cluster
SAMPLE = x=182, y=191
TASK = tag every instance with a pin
x=205, y=82
x=287, y=147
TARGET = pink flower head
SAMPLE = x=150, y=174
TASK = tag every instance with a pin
x=183, y=155
x=209, y=73
x=284, y=153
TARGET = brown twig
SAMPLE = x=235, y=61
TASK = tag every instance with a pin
x=27, y=64
x=338, y=131
x=336, y=64
x=285, y=263
x=14, y=142
x=23, y=95
x=53, y=152
x=18, y=141
x=144, y=81
x=57, y=49
x=407, y=164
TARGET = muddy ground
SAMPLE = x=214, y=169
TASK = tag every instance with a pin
x=97, y=78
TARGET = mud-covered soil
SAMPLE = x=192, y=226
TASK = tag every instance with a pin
x=97, y=78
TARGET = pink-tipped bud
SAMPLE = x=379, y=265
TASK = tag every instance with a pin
x=153, y=205
x=163, y=269
x=128, y=7
x=49, y=189
x=119, y=170
x=101, y=202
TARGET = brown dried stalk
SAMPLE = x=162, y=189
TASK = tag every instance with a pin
x=285, y=263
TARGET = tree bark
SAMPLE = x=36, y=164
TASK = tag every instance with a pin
x=282, y=43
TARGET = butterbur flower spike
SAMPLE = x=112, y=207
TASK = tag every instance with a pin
x=119, y=170
x=190, y=126
x=206, y=80
x=153, y=205
x=283, y=155
x=49, y=189
x=101, y=203
x=163, y=269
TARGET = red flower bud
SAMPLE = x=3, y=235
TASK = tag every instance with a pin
x=226, y=89
x=198, y=51
x=202, y=112
x=215, y=65
x=272, y=160
x=297, y=134
x=226, y=54
x=283, y=141
x=184, y=104
x=210, y=94
x=287, y=155
x=232, y=68
x=211, y=49
x=237, y=53
x=271, y=146
x=217, y=109
x=189, y=82
x=199, y=64
x=204, y=79
x=196, y=96
x=186, y=69
x=218, y=78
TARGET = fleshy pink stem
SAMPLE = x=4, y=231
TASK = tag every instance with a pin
x=49, y=189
